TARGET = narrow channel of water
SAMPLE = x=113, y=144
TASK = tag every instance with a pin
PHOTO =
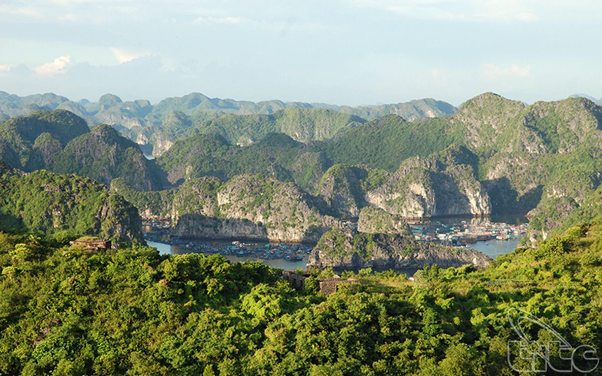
x=167, y=249
x=492, y=248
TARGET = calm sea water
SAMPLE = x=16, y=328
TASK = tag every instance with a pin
x=494, y=248
x=491, y=248
x=167, y=249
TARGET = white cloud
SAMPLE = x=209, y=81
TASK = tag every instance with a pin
x=459, y=10
x=494, y=73
x=124, y=56
x=59, y=65
x=73, y=11
x=282, y=27
x=4, y=68
x=220, y=20
x=26, y=11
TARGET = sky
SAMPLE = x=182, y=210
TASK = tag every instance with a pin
x=346, y=52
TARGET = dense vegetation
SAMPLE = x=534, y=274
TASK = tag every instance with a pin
x=590, y=210
x=276, y=155
x=157, y=203
x=132, y=311
x=65, y=206
x=60, y=141
x=385, y=142
x=543, y=159
x=29, y=142
x=158, y=126
x=104, y=155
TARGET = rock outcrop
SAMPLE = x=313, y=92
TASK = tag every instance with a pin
x=345, y=249
x=377, y=221
x=248, y=206
x=341, y=189
x=66, y=205
x=443, y=184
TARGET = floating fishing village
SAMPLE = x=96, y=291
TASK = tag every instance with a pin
x=448, y=233
x=465, y=232
x=160, y=233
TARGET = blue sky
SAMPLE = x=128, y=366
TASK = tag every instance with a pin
x=340, y=51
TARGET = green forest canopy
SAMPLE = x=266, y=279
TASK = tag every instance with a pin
x=133, y=311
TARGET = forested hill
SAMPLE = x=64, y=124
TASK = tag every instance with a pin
x=65, y=207
x=494, y=155
x=158, y=126
x=62, y=142
x=524, y=155
x=135, y=312
x=29, y=142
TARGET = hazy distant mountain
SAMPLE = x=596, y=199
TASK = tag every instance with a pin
x=596, y=101
x=13, y=105
x=156, y=127
x=196, y=102
x=303, y=125
x=412, y=110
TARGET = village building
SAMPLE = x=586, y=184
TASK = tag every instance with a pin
x=92, y=245
x=326, y=286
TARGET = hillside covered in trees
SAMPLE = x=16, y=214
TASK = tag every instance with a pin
x=157, y=126
x=132, y=311
x=492, y=156
x=65, y=207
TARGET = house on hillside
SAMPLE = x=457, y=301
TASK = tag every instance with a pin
x=326, y=286
x=92, y=244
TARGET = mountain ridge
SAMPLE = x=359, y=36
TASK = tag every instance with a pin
x=494, y=155
x=146, y=123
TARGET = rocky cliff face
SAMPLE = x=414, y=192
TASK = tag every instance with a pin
x=119, y=220
x=443, y=184
x=249, y=206
x=485, y=118
x=199, y=226
x=524, y=148
x=560, y=198
x=46, y=147
x=349, y=250
x=377, y=221
x=341, y=189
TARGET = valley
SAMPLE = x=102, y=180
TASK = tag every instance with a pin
x=415, y=234
x=327, y=165
x=487, y=235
